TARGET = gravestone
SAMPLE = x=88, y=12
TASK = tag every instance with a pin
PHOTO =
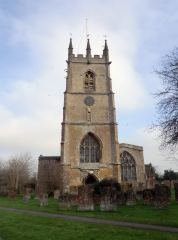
x=108, y=199
x=130, y=198
x=12, y=193
x=43, y=200
x=148, y=196
x=85, y=198
x=162, y=196
x=64, y=201
x=26, y=198
x=27, y=194
x=56, y=194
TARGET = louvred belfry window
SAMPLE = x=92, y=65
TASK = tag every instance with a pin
x=128, y=167
x=89, y=82
x=90, y=149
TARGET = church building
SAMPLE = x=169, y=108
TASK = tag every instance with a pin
x=90, y=150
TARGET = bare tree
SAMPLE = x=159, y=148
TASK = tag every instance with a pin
x=3, y=179
x=18, y=171
x=167, y=100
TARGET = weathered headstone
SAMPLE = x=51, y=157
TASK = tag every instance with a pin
x=12, y=193
x=85, y=198
x=162, y=196
x=107, y=205
x=64, y=201
x=108, y=199
x=26, y=198
x=43, y=200
x=139, y=196
x=56, y=194
x=27, y=194
x=148, y=196
x=121, y=198
x=130, y=198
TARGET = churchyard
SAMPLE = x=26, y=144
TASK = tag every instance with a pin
x=134, y=213
x=20, y=226
x=106, y=200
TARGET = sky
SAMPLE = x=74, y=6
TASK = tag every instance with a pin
x=34, y=38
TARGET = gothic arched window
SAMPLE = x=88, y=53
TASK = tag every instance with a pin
x=128, y=167
x=90, y=151
x=89, y=81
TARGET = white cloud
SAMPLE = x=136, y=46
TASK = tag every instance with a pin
x=130, y=91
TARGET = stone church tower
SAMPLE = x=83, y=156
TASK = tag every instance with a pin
x=89, y=142
x=90, y=150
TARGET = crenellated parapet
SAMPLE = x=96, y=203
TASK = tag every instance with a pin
x=80, y=58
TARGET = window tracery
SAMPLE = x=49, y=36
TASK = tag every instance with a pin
x=128, y=167
x=89, y=82
x=90, y=149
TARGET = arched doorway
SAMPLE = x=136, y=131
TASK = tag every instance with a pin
x=90, y=179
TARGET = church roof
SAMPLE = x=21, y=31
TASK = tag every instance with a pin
x=48, y=158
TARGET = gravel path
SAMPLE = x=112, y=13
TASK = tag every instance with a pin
x=94, y=220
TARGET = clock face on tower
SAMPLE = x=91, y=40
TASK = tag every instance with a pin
x=89, y=101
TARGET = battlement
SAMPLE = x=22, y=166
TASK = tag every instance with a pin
x=97, y=56
x=79, y=56
x=85, y=58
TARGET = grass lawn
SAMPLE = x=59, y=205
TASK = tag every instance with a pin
x=138, y=213
x=15, y=226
